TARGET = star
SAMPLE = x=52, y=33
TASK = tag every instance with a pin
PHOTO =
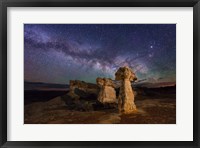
x=57, y=53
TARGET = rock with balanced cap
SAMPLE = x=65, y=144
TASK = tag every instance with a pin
x=126, y=94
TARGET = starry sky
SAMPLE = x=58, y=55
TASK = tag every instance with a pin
x=57, y=53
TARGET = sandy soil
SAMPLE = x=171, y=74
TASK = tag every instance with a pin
x=151, y=110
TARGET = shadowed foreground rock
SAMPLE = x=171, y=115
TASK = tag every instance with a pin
x=126, y=94
x=107, y=92
x=83, y=96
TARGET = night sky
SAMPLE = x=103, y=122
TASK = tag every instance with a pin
x=57, y=53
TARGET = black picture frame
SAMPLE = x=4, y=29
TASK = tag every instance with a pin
x=4, y=4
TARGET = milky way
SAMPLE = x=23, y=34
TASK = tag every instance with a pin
x=57, y=53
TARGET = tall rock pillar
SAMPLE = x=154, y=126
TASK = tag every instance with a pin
x=126, y=95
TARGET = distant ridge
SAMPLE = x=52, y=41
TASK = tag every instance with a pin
x=44, y=86
x=52, y=86
x=155, y=85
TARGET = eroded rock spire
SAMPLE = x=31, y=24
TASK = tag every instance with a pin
x=126, y=94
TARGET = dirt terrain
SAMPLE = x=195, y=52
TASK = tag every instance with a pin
x=152, y=109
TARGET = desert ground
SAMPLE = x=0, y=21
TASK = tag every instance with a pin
x=154, y=106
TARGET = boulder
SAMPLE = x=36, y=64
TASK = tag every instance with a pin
x=107, y=92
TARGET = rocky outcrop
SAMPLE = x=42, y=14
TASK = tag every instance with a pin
x=82, y=89
x=107, y=92
x=126, y=94
x=82, y=96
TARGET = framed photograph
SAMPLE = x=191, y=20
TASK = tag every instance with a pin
x=99, y=73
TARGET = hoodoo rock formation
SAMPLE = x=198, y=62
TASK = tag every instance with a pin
x=107, y=92
x=126, y=94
